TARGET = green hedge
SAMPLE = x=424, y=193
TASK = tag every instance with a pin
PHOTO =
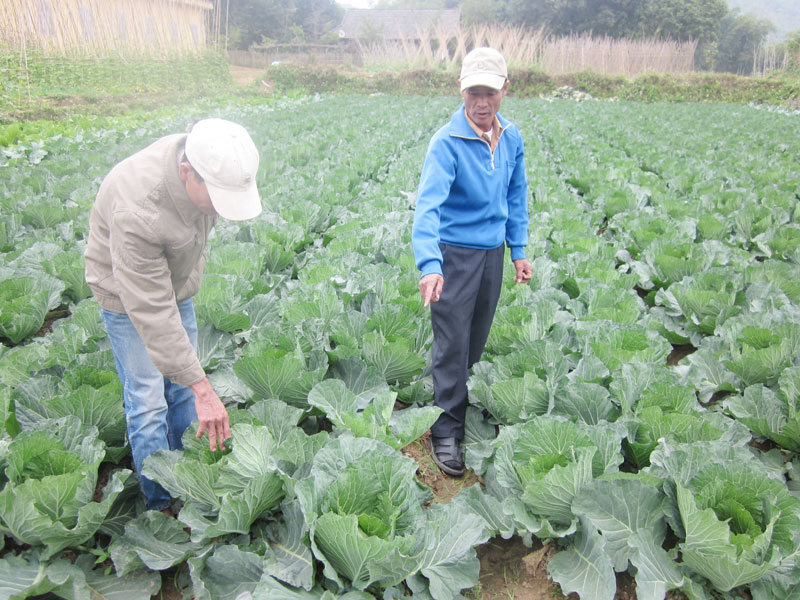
x=526, y=83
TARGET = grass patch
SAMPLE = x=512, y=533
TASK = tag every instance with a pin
x=35, y=86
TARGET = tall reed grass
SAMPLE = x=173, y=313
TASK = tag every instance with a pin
x=533, y=48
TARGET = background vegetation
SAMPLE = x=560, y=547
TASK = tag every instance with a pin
x=783, y=14
x=729, y=34
x=53, y=88
x=627, y=49
x=36, y=86
x=527, y=83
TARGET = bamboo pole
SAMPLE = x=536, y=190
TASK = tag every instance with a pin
x=27, y=72
x=227, y=10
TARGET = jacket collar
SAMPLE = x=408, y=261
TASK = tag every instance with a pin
x=460, y=127
x=176, y=189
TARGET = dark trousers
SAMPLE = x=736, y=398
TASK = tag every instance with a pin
x=461, y=321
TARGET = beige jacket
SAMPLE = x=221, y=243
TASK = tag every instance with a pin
x=146, y=252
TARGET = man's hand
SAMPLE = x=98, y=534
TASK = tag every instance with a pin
x=524, y=270
x=430, y=287
x=211, y=414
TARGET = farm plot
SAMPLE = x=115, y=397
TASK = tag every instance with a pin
x=657, y=232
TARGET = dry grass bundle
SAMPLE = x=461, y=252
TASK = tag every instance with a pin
x=433, y=47
x=383, y=55
x=519, y=46
x=97, y=27
x=533, y=48
x=616, y=57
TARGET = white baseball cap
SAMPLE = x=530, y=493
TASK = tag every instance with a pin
x=483, y=66
x=224, y=155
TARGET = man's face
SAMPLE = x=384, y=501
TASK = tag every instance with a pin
x=196, y=189
x=482, y=104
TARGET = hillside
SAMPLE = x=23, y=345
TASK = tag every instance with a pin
x=784, y=14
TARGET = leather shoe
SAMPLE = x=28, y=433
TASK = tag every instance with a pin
x=446, y=453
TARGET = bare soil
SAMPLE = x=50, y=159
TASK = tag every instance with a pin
x=509, y=569
x=245, y=75
x=444, y=487
x=679, y=353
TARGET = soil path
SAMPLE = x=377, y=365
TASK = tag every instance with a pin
x=245, y=75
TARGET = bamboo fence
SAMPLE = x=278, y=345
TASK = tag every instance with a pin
x=608, y=56
x=97, y=27
x=533, y=48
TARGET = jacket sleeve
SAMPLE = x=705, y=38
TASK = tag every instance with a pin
x=517, y=224
x=438, y=174
x=145, y=289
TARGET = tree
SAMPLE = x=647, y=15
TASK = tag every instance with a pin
x=793, y=42
x=256, y=21
x=613, y=18
x=680, y=20
x=792, y=45
x=685, y=20
x=741, y=37
x=483, y=12
x=317, y=17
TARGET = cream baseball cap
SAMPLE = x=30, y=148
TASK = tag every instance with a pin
x=224, y=155
x=483, y=66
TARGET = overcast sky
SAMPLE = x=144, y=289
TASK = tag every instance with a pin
x=356, y=3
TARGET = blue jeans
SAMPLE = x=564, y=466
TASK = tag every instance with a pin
x=157, y=411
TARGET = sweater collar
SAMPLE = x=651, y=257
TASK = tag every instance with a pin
x=461, y=127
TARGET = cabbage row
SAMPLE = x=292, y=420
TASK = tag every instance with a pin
x=657, y=232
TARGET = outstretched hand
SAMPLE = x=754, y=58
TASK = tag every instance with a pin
x=211, y=414
x=430, y=287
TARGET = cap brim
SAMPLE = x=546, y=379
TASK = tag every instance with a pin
x=235, y=205
x=496, y=82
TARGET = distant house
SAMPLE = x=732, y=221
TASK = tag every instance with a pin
x=390, y=25
x=88, y=25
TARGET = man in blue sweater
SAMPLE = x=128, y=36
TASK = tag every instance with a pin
x=472, y=201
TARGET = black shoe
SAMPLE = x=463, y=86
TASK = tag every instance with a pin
x=446, y=453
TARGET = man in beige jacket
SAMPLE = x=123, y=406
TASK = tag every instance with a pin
x=148, y=231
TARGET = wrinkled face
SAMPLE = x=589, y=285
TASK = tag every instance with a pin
x=482, y=104
x=196, y=189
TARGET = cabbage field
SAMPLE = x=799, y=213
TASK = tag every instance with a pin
x=638, y=404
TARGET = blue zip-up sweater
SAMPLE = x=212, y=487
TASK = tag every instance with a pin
x=468, y=198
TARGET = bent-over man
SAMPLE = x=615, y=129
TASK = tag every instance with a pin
x=148, y=231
